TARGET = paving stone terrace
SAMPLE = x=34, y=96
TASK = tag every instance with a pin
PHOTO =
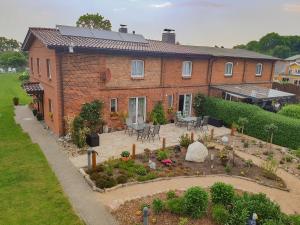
x=112, y=144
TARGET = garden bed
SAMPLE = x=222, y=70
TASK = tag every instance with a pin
x=118, y=171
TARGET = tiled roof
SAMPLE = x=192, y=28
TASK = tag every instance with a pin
x=52, y=38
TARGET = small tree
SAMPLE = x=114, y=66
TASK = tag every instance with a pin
x=91, y=113
x=198, y=104
x=270, y=130
x=158, y=114
x=242, y=122
x=95, y=21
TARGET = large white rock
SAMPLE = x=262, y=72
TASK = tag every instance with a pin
x=197, y=152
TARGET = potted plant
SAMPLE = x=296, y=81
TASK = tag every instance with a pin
x=234, y=127
x=125, y=155
x=34, y=112
x=171, y=114
x=114, y=116
x=16, y=101
x=39, y=116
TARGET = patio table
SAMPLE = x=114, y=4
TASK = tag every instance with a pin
x=188, y=120
x=138, y=127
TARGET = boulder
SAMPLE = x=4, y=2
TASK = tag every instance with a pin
x=196, y=152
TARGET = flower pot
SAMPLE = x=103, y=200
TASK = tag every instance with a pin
x=125, y=158
x=16, y=101
x=34, y=112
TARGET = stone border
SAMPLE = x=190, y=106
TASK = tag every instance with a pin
x=95, y=188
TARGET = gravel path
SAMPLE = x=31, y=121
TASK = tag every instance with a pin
x=289, y=201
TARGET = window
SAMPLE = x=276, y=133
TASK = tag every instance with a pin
x=187, y=68
x=228, y=69
x=259, y=68
x=38, y=66
x=31, y=64
x=50, y=105
x=170, y=101
x=48, y=68
x=113, y=105
x=137, y=68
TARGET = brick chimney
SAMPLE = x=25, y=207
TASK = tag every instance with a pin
x=169, y=36
x=123, y=28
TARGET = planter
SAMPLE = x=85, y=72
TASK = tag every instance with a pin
x=34, y=112
x=125, y=158
x=39, y=116
x=215, y=122
x=93, y=140
x=16, y=101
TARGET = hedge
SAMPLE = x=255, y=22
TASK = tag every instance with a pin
x=288, y=133
x=292, y=111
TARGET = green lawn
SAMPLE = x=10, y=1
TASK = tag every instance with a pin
x=29, y=191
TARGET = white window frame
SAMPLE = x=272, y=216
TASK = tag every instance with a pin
x=260, y=73
x=172, y=101
x=191, y=70
x=116, y=102
x=132, y=72
x=48, y=64
x=228, y=74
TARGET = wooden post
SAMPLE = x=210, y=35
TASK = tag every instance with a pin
x=212, y=134
x=192, y=136
x=133, y=152
x=164, y=143
x=94, y=161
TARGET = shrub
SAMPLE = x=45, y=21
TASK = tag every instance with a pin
x=149, y=176
x=292, y=111
x=220, y=214
x=158, y=114
x=91, y=113
x=104, y=181
x=175, y=205
x=288, y=128
x=16, y=101
x=24, y=76
x=295, y=219
x=183, y=221
x=222, y=194
x=100, y=168
x=228, y=169
x=185, y=140
x=121, y=179
x=171, y=195
x=195, y=202
x=140, y=170
x=198, y=104
x=78, y=132
x=270, y=167
x=158, y=206
x=239, y=213
x=162, y=154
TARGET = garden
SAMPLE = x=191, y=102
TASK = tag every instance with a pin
x=218, y=158
x=219, y=205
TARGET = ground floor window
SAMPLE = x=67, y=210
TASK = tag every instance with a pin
x=137, y=109
x=113, y=105
x=50, y=105
x=170, y=101
x=185, y=104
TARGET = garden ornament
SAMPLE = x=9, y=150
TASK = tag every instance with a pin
x=252, y=221
x=225, y=140
x=152, y=165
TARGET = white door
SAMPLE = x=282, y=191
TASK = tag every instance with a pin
x=137, y=108
x=185, y=104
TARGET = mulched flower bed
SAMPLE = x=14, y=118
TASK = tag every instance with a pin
x=130, y=213
x=114, y=172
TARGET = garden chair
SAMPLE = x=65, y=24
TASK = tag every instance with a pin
x=140, y=120
x=205, y=123
x=179, y=120
x=155, y=132
x=197, y=123
x=128, y=126
x=144, y=133
x=184, y=114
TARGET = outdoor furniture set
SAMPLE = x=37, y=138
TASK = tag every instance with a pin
x=191, y=122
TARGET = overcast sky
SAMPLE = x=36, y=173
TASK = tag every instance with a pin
x=197, y=22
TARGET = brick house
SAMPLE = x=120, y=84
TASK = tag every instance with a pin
x=71, y=66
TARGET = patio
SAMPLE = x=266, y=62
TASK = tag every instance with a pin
x=112, y=144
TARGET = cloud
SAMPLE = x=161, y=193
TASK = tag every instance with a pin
x=201, y=3
x=162, y=5
x=291, y=8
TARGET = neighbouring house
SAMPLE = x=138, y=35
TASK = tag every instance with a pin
x=288, y=70
x=70, y=66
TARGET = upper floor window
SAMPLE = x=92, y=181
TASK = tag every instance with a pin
x=113, y=105
x=187, y=68
x=31, y=64
x=38, y=66
x=228, y=69
x=137, y=68
x=259, y=68
x=48, y=68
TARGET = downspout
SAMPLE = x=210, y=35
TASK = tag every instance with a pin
x=61, y=91
x=244, y=71
x=209, y=73
x=272, y=72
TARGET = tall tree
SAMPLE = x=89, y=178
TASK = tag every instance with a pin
x=8, y=44
x=12, y=59
x=93, y=21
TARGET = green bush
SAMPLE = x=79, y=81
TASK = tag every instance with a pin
x=104, y=181
x=198, y=104
x=162, y=155
x=158, y=114
x=149, y=176
x=175, y=206
x=24, y=76
x=91, y=113
x=140, y=170
x=185, y=140
x=239, y=213
x=220, y=214
x=79, y=132
x=158, y=206
x=273, y=222
x=292, y=111
x=222, y=194
x=171, y=195
x=288, y=128
x=195, y=202
x=121, y=179
x=295, y=219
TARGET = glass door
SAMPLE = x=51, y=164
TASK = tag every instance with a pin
x=185, y=104
x=137, y=108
